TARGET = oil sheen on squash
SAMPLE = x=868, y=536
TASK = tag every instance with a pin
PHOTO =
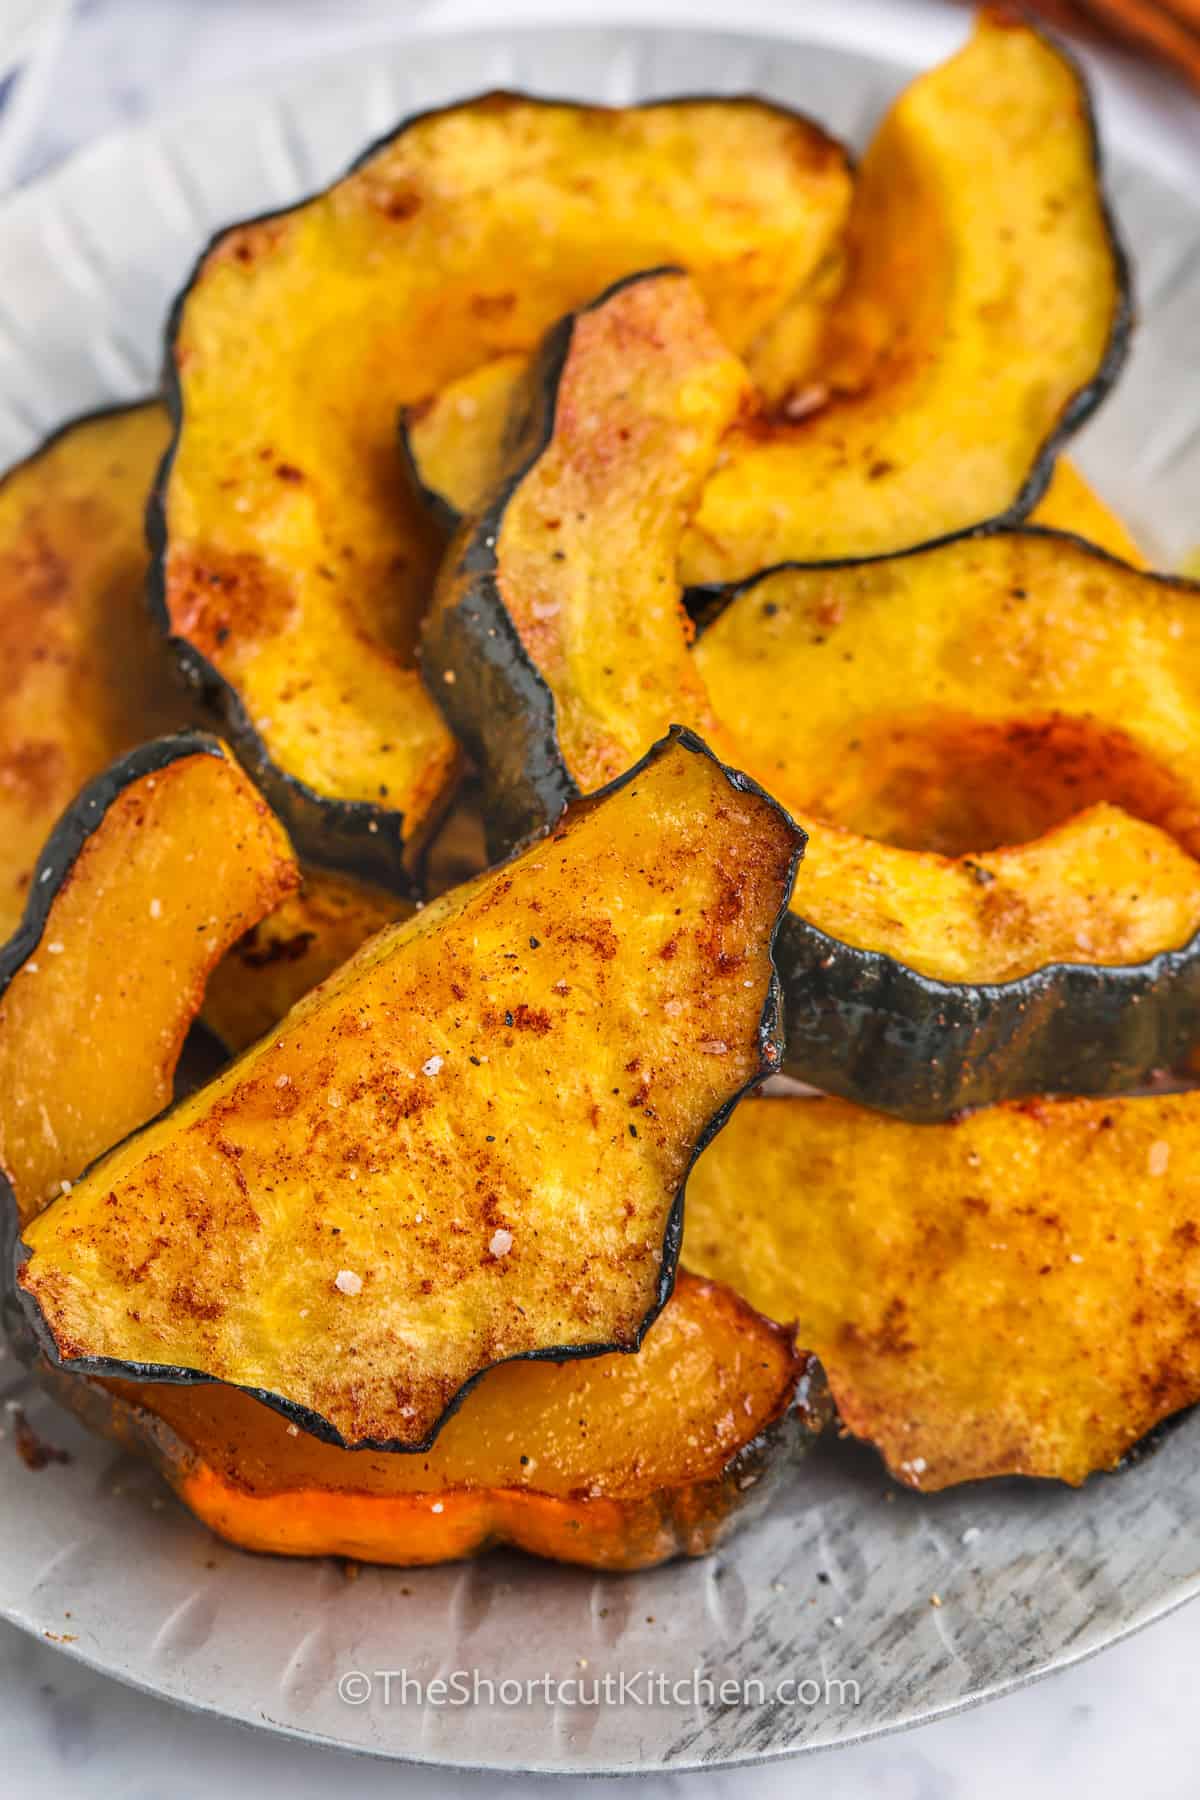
x=172, y=849
x=984, y=313
x=468, y=1145
x=1011, y=1293
x=296, y=564
x=614, y=1462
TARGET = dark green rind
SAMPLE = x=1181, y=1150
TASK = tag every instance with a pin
x=868, y=1027
x=38, y=1338
x=355, y=836
x=498, y=704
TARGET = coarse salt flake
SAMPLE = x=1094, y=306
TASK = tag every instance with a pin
x=347, y=1282
x=437, y=1507
x=1159, y=1157
x=502, y=1242
x=55, y=949
x=156, y=909
x=432, y=1066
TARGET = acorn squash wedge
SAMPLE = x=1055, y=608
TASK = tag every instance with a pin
x=292, y=564
x=557, y=642
x=468, y=1146
x=157, y=867
x=1011, y=1293
x=616, y=1462
x=985, y=314
x=1057, y=715
x=90, y=678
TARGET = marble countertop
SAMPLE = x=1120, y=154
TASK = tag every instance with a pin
x=1129, y=1719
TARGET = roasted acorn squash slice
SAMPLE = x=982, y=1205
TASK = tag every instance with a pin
x=985, y=314
x=616, y=1462
x=557, y=642
x=986, y=692
x=1013, y=1293
x=90, y=677
x=171, y=847
x=293, y=565
x=468, y=1145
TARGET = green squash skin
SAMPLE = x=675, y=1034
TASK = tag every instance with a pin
x=355, y=837
x=867, y=1027
x=28, y=1328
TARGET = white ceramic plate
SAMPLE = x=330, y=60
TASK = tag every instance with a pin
x=835, y=1585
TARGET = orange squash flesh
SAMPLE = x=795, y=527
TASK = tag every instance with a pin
x=1011, y=1293
x=295, y=568
x=181, y=857
x=615, y=1463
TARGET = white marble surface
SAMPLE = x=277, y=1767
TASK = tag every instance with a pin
x=1127, y=1720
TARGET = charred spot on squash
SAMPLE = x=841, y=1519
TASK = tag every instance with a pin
x=400, y=1187
x=617, y=1462
x=170, y=848
x=984, y=314
x=292, y=560
x=1026, y=1308
x=557, y=612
